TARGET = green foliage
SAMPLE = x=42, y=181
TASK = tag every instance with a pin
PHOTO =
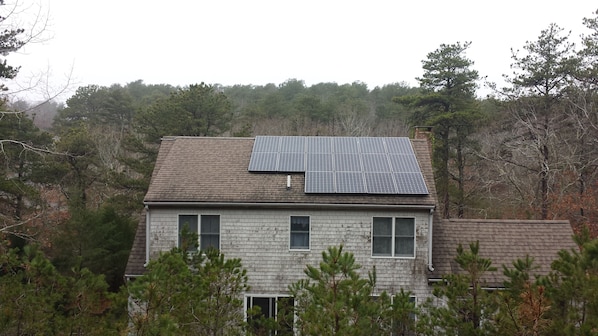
x=467, y=308
x=35, y=299
x=447, y=103
x=335, y=300
x=573, y=289
x=99, y=240
x=10, y=41
x=192, y=294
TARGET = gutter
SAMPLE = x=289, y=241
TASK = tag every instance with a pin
x=147, y=235
x=292, y=205
x=430, y=235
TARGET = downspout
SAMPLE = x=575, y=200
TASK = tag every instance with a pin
x=430, y=234
x=147, y=236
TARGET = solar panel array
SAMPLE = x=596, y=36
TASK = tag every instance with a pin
x=347, y=165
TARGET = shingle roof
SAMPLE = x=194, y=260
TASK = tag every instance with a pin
x=202, y=169
x=503, y=241
x=137, y=255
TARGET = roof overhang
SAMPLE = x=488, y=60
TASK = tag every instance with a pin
x=343, y=206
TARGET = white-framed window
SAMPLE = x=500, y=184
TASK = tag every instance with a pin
x=405, y=327
x=300, y=232
x=393, y=237
x=205, y=227
x=276, y=308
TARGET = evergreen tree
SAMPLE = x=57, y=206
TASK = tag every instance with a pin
x=197, y=294
x=448, y=104
x=462, y=305
x=335, y=300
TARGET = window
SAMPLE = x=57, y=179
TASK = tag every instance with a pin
x=393, y=237
x=299, y=233
x=277, y=308
x=209, y=235
x=404, y=324
x=208, y=232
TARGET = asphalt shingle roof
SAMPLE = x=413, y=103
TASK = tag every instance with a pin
x=503, y=241
x=200, y=169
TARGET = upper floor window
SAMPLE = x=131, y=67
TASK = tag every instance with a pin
x=299, y=233
x=393, y=237
x=207, y=230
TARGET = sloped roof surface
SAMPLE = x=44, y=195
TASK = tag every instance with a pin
x=215, y=170
x=137, y=254
x=502, y=241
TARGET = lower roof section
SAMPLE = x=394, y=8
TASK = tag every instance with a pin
x=502, y=241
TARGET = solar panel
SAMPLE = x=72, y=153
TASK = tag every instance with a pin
x=404, y=163
x=358, y=165
x=399, y=146
x=319, y=182
x=266, y=144
x=291, y=162
x=319, y=162
x=345, y=145
x=371, y=145
x=264, y=162
x=350, y=183
x=292, y=144
x=380, y=183
x=411, y=184
x=319, y=145
x=375, y=163
x=347, y=162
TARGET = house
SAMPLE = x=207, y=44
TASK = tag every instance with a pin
x=278, y=202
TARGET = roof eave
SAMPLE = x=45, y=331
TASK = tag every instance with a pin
x=278, y=205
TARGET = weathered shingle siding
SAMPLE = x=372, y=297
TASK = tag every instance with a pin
x=260, y=238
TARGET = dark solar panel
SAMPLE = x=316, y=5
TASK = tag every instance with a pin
x=266, y=162
x=375, y=163
x=404, y=163
x=399, y=146
x=343, y=165
x=319, y=162
x=411, y=184
x=350, y=183
x=292, y=144
x=345, y=145
x=266, y=144
x=319, y=182
x=319, y=145
x=291, y=162
x=380, y=183
x=347, y=162
x=371, y=145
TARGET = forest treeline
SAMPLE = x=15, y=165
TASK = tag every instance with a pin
x=74, y=174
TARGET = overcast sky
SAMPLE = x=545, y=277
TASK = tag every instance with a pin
x=181, y=42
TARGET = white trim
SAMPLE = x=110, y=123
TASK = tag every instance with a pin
x=430, y=236
x=199, y=215
x=392, y=248
x=295, y=205
x=291, y=249
x=147, y=235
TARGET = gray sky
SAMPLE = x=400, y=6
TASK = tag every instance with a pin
x=229, y=42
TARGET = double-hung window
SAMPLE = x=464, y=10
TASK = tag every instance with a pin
x=393, y=237
x=205, y=227
x=299, y=239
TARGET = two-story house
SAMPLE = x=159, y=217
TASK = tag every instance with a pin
x=277, y=202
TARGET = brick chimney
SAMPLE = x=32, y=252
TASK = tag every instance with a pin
x=424, y=132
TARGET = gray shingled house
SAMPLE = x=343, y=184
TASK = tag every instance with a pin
x=278, y=202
